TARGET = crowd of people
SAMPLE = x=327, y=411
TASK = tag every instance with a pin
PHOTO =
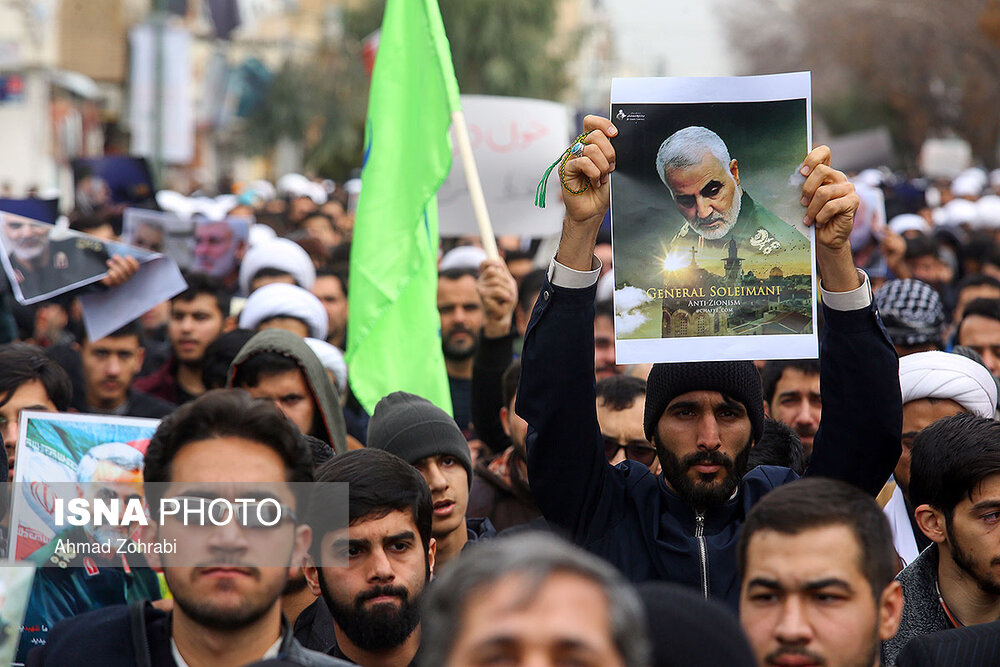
x=843, y=510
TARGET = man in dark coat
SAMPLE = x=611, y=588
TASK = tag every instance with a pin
x=703, y=418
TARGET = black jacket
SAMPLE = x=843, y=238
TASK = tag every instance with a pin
x=629, y=517
x=105, y=637
x=972, y=646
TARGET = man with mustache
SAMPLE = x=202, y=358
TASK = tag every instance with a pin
x=461, y=310
x=792, y=397
x=227, y=608
x=704, y=182
x=389, y=555
x=817, y=569
x=109, y=366
x=955, y=493
x=702, y=417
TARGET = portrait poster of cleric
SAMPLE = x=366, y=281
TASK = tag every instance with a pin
x=66, y=456
x=43, y=260
x=711, y=259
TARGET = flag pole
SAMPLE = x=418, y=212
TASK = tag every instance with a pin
x=475, y=186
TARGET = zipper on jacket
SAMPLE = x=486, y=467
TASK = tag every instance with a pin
x=699, y=534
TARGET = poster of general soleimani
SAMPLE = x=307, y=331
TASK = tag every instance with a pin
x=711, y=259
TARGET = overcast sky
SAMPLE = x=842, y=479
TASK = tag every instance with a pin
x=669, y=38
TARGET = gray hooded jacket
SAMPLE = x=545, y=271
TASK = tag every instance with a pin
x=325, y=394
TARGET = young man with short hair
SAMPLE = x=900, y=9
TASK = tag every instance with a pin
x=955, y=493
x=278, y=365
x=424, y=436
x=979, y=329
x=331, y=289
x=817, y=568
x=389, y=553
x=30, y=381
x=109, y=365
x=198, y=317
x=621, y=400
x=792, y=396
x=461, y=309
x=532, y=599
x=223, y=615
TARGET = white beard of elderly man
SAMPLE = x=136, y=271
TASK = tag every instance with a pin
x=704, y=181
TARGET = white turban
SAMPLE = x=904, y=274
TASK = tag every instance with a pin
x=332, y=360
x=281, y=254
x=284, y=300
x=959, y=211
x=989, y=211
x=259, y=234
x=906, y=222
x=463, y=257
x=948, y=376
x=967, y=185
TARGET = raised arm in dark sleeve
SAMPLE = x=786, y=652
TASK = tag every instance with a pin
x=493, y=357
x=859, y=432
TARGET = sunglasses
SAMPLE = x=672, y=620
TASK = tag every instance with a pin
x=634, y=451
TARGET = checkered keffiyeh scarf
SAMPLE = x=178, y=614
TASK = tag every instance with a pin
x=912, y=312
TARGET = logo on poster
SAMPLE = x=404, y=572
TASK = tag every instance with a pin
x=632, y=116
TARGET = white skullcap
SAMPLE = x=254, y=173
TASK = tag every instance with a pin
x=966, y=185
x=226, y=203
x=989, y=211
x=332, y=360
x=292, y=184
x=284, y=300
x=259, y=234
x=316, y=192
x=870, y=177
x=297, y=185
x=959, y=211
x=281, y=254
x=176, y=203
x=939, y=216
x=975, y=175
x=261, y=189
x=948, y=376
x=463, y=257
x=353, y=186
x=906, y=222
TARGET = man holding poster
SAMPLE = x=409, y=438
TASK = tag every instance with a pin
x=703, y=418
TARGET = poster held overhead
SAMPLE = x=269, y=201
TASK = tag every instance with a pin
x=43, y=261
x=712, y=260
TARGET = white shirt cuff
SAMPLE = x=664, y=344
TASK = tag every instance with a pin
x=856, y=299
x=561, y=275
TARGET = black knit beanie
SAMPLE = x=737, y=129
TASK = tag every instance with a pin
x=736, y=379
x=413, y=428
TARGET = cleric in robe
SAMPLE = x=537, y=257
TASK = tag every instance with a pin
x=704, y=181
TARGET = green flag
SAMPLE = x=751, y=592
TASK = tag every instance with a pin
x=394, y=331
